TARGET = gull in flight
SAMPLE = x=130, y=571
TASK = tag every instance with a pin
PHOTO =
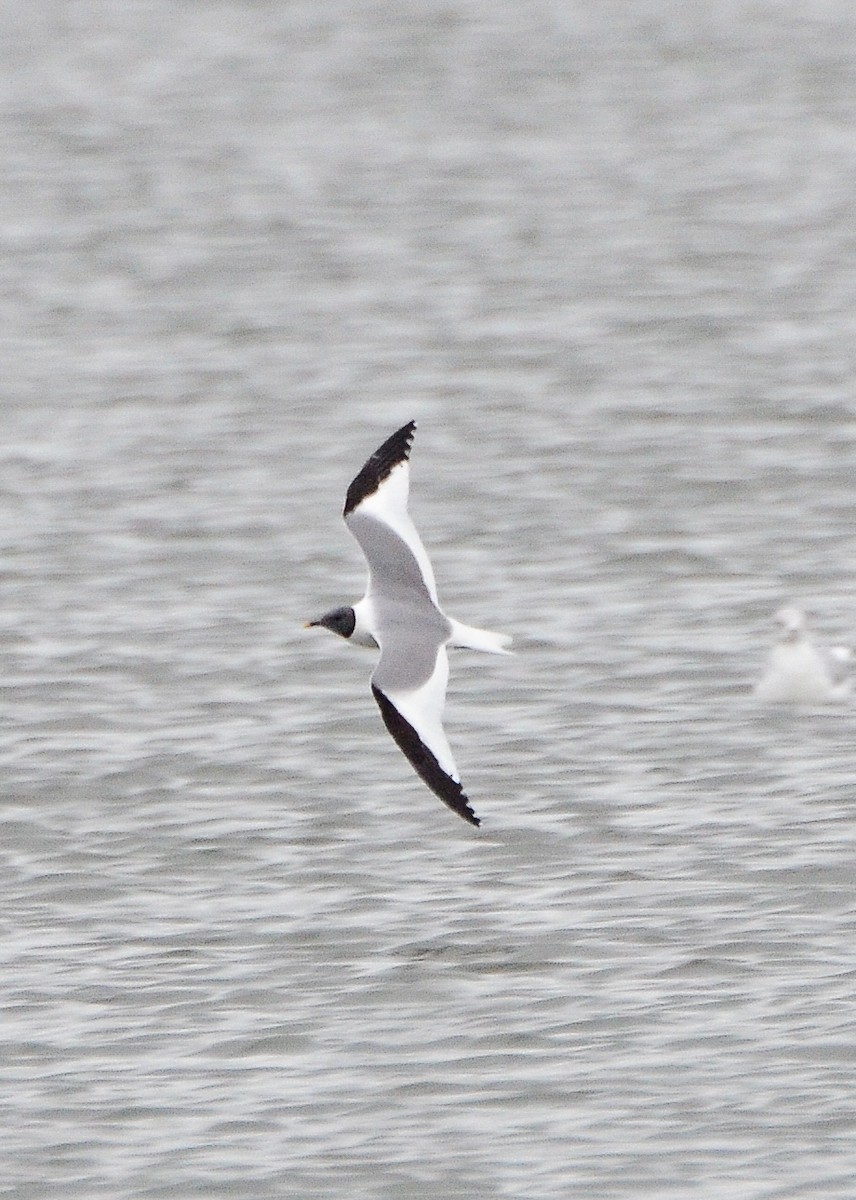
x=798, y=671
x=401, y=615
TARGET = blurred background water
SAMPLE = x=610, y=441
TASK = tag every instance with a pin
x=605, y=253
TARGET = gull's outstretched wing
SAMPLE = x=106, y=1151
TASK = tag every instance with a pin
x=380, y=490
x=414, y=717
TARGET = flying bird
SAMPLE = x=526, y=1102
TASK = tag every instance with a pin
x=401, y=615
x=800, y=672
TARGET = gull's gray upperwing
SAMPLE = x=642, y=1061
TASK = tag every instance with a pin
x=395, y=575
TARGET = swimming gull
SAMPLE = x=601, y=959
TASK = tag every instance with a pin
x=798, y=671
x=400, y=614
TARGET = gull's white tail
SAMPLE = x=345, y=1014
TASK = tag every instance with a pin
x=470, y=638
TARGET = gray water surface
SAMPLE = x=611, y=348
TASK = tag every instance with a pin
x=605, y=254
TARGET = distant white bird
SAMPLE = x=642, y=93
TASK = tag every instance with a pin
x=400, y=613
x=798, y=671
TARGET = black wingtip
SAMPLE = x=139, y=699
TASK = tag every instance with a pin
x=395, y=449
x=422, y=760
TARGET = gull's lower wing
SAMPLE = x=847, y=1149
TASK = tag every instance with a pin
x=423, y=760
x=409, y=685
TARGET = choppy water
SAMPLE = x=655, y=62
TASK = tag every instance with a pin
x=605, y=254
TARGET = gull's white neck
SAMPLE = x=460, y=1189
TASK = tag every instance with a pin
x=363, y=634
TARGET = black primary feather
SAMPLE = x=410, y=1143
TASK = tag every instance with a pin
x=395, y=449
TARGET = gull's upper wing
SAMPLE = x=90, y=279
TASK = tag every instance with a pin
x=380, y=490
